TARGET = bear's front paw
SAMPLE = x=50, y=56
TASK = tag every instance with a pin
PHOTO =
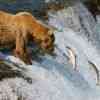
x=23, y=56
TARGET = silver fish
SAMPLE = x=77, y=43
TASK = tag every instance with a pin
x=96, y=70
x=72, y=57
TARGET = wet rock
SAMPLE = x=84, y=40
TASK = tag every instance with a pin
x=11, y=70
x=93, y=6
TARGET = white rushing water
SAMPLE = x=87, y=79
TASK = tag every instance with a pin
x=53, y=78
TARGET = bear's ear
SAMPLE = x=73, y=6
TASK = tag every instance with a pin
x=50, y=32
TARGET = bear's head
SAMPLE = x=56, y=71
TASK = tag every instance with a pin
x=45, y=38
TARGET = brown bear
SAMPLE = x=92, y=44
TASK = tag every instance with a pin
x=17, y=30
